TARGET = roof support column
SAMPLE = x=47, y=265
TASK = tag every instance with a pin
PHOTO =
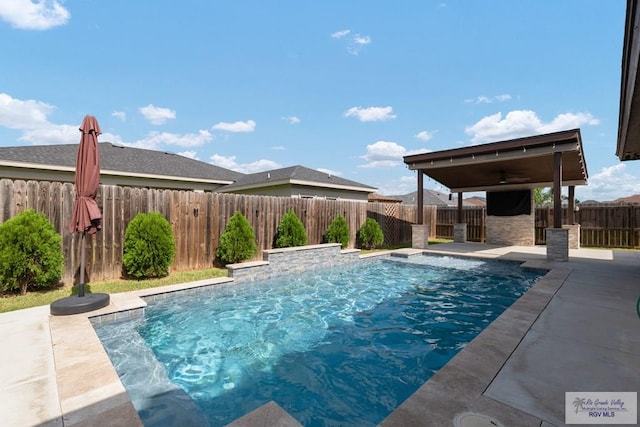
x=459, y=220
x=557, y=189
x=420, y=219
x=571, y=207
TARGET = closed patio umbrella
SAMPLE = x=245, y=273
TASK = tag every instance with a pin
x=86, y=217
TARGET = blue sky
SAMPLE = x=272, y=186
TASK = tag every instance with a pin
x=347, y=87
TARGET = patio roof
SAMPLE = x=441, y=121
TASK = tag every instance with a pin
x=506, y=165
x=628, y=147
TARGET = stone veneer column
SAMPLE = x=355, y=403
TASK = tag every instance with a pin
x=557, y=244
x=419, y=236
x=516, y=230
x=460, y=232
x=574, y=235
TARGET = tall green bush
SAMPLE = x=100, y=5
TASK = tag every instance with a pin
x=338, y=232
x=370, y=234
x=148, y=246
x=291, y=231
x=30, y=253
x=238, y=242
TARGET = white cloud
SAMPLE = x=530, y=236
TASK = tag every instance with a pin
x=371, y=114
x=384, y=154
x=397, y=187
x=329, y=171
x=30, y=117
x=157, y=115
x=120, y=115
x=278, y=147
x=387, y=154
x=488, y=99
x=52, y=134
x=611, y=183
x=29, y=15
x=340, y=34
x=355, y=42
x=257, y=166
x=156, y=139
x=248, y=126
x=520, y=123
x=424, y=135
x=190, y=154
x=292, y=120
x=19, y=114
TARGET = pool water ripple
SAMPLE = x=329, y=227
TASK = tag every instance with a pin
x=339, y=347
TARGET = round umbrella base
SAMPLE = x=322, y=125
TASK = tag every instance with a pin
x=75, y=304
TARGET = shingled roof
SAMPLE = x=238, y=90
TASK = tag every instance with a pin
x=298, y=175
x=118, y=160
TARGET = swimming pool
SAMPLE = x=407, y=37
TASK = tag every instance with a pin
x=338, y=347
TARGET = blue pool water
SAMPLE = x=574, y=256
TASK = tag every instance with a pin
x=338, y=347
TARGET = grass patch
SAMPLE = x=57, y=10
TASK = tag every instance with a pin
x=10, y=302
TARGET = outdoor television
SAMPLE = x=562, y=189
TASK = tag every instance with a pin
x=509, y=203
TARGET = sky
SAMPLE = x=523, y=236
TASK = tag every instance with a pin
x=345, y=87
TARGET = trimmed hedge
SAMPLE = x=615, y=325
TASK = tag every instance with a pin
x=291, y=231
x=30, y=253
x=149, y=248
x=370, y=234
x=238, y=242
x=338, y=232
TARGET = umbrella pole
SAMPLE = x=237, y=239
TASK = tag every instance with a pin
x=82, y=251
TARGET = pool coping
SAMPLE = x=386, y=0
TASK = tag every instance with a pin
x=88, y=390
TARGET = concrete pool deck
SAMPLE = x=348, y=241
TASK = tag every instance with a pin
x=575, y=330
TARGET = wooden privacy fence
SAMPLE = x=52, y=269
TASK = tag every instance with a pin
x=606, y=226
x=197, y=219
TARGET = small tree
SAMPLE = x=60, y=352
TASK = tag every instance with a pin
x=370, y=234
x=30, y=253
x=338, y=232
x=238, y=242
x=148, y=246
x=291, y=231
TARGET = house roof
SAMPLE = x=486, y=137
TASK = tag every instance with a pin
x=432, y=197
x=628, y=146
x=118, y=160
x=295, y=175
x=375, y=197
x=506, y=165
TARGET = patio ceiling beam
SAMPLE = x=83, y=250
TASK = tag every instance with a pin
x=475, y=159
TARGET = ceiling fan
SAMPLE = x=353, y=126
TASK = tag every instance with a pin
x=506, y=179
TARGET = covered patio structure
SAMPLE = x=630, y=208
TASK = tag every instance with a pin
x=509, y=170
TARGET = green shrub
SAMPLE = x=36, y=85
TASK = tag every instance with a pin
x=148, y=246
x=338, y=232
x=30, y=253
x=238, y=242
x=370, y=234
x=291, y=231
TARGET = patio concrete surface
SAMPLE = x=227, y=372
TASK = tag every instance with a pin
x=575, y=330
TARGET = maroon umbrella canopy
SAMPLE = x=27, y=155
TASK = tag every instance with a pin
x=86, y=216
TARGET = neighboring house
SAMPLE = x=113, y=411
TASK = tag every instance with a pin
x=630, y=200
x=299, y=181
x=475, y=201
x=119, y=165
x=379, y=198
x=432, y=197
